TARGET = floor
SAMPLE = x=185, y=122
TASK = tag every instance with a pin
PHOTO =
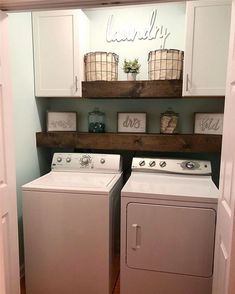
x=117, y=287
x=116, y=290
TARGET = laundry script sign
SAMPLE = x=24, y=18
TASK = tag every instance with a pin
x=208, y=123
x=131, y=122
x=151, y=31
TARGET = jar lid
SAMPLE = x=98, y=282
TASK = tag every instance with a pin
x=96, y=111
x=169, y=112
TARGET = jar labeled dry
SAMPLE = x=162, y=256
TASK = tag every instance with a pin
x=169, y=122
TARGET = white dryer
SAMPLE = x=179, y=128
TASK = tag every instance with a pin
x=71, y=225
x=168, y=219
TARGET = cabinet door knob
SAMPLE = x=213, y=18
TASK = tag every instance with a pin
x=76, y=83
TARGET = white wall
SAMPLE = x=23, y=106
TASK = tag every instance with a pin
x=169, y=15
x=27, y=113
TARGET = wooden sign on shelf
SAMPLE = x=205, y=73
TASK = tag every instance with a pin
x=130, y=122
x=61, y=121
x=208, y=123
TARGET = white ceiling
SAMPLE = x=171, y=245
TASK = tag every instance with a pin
x=48, y=4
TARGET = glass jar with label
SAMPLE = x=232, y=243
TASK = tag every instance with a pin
x=96, y=121
x=169, y=122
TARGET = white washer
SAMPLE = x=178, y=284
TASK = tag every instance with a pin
x=168, y=218
x=71, y=225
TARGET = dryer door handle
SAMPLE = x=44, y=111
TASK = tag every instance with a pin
x=136, y=236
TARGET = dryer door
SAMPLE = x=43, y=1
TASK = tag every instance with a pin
x=171, y=239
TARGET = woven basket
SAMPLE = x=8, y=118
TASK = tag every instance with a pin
x=165, y=64
x=101, y=66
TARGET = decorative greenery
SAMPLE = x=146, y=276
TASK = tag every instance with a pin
x=132, y=66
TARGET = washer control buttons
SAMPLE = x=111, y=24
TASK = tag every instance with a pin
x=102, y=161
x=142, y=163
x=162, y=163
x=59, y=159
x=152, y=163
x=68, y=159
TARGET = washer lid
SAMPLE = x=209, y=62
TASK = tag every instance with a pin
x=74, y=181
x=171, y=187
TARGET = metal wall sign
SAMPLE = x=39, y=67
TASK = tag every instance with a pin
x=150, y=32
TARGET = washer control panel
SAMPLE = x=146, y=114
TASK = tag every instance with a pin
x=181, y=166
x=86, y=161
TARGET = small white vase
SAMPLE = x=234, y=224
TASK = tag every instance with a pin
x=131, y=76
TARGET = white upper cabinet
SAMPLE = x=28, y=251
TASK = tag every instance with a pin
x=206, y=48
x=61, y=38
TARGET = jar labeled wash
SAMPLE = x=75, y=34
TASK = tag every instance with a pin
x=96, y=121
x=169, y=122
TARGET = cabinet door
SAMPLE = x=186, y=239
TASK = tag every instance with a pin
x=206, y=48
x=57, y=55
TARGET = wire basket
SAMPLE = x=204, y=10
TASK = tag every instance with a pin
x=101, y=66
x=164, y=64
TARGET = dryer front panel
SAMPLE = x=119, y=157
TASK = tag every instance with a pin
x=171, y=239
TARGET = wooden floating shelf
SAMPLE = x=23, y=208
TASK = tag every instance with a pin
x=132, y=89
x=130, y=141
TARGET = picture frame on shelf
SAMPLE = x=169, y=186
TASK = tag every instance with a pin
x=208, y=123
x=131, y=122
x=62, y=121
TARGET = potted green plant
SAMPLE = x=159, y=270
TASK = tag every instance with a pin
x=132, y=68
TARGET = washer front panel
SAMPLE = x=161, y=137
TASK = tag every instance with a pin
x=86, y=162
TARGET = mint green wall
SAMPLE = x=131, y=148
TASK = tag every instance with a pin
x=27, y=113
x=153, y=107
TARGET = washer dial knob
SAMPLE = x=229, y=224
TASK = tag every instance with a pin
x=85, y=160
x=190, y=165
x=142, y=163
x=102, y=161
x=152, y=163
x=162, y=163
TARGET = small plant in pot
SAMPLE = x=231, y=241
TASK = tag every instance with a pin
x=132, y=68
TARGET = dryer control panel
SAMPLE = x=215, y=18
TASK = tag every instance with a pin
x=178, y=166
x=86, y=162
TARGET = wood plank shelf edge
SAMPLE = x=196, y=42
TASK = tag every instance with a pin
x=132, y=142
x=132, y=89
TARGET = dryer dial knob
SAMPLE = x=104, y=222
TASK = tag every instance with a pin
x=59, y=159
x=142, y=163
x=190, y=165
x=68, y=159
x=152, y=163
x=162, y=163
